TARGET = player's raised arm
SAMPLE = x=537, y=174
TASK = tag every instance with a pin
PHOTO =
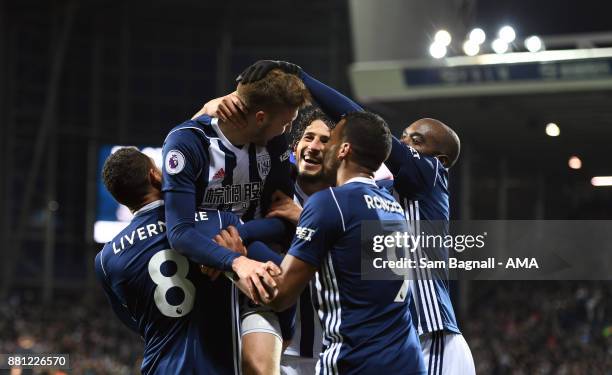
x=333, y=103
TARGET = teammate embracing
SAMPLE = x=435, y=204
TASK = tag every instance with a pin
x=420, y=184
x=208, y=164
x=159, y=293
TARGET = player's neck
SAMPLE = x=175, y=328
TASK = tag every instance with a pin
x=311, y=187
x=349, y=170
x=236, y=136
x=149, y=198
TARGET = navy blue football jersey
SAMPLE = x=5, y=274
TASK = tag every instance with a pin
x=188, y=322
x=420, y=185
x=199, y=159
x=365, y=330
x=307, y=338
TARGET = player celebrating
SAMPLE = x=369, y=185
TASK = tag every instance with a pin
x=313, y=130
x=209, y=164
x=365, y=330
x=421, y=185
x=160, y=294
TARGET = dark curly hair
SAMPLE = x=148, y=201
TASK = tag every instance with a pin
x=305, y=117
x=126, y=176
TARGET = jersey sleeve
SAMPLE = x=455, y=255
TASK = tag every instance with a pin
x=265, y=230
x=185, y=238
x=412, y=172
x=333, y=103
x=118, y=307
x=319, y=225
x=184, y=157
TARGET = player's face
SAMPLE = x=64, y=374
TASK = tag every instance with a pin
x=422, y=137
x=274, y=124
x=310, y=150
x=331, y=162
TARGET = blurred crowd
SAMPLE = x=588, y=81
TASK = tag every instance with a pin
x=555, y=327
x=82, y=326
x=512, y=328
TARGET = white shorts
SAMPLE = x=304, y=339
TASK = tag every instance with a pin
x=447, y=353
x=295, y=365
x=260, y=321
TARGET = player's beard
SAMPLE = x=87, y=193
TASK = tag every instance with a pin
x=331, y=163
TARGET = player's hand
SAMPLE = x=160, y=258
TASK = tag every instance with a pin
x=256, y=279
x=230, y=238
x=259, y=70
x=284, y=207
x=229, y=109
x=232, y=110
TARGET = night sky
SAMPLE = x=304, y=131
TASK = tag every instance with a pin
x=545, y=17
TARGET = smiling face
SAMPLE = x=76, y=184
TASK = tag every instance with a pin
x=310, y=150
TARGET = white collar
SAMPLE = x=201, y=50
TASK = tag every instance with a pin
x=150, y=206
x=300, y=192
x=363, y=180
x=214, y=122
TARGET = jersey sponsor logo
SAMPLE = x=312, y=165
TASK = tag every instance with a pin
x=219, y=175
x=304, y=233
x=231, y=194
x=175, y=162
x=263, y=164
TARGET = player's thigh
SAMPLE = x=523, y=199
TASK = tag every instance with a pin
x=294, y=365
x=447, y=353
x=261, y=343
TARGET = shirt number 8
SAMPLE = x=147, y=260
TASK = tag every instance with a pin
x=177, y=280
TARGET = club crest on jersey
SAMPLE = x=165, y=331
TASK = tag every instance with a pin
x=175, y=162
x=263, y=164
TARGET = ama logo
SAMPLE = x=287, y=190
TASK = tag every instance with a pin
x=175, y=162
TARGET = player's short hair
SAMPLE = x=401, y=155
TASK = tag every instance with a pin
x=126, y=176
x=276, y=89
x=307, y=116
x=370, y=138
x=452, y=146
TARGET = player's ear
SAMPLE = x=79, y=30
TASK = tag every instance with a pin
x=260, y=117
x=155, y=178
x=444, y=159
x=344, y=150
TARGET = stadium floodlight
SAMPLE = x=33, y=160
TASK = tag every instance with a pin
x=471, y=47
x=552, y=130
x=477, y=35
x=601, y=181
x=507, y=34
x=574, y=162
x=443, y=37
x=499, y=46
x=437, y=50
x=534, y=44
